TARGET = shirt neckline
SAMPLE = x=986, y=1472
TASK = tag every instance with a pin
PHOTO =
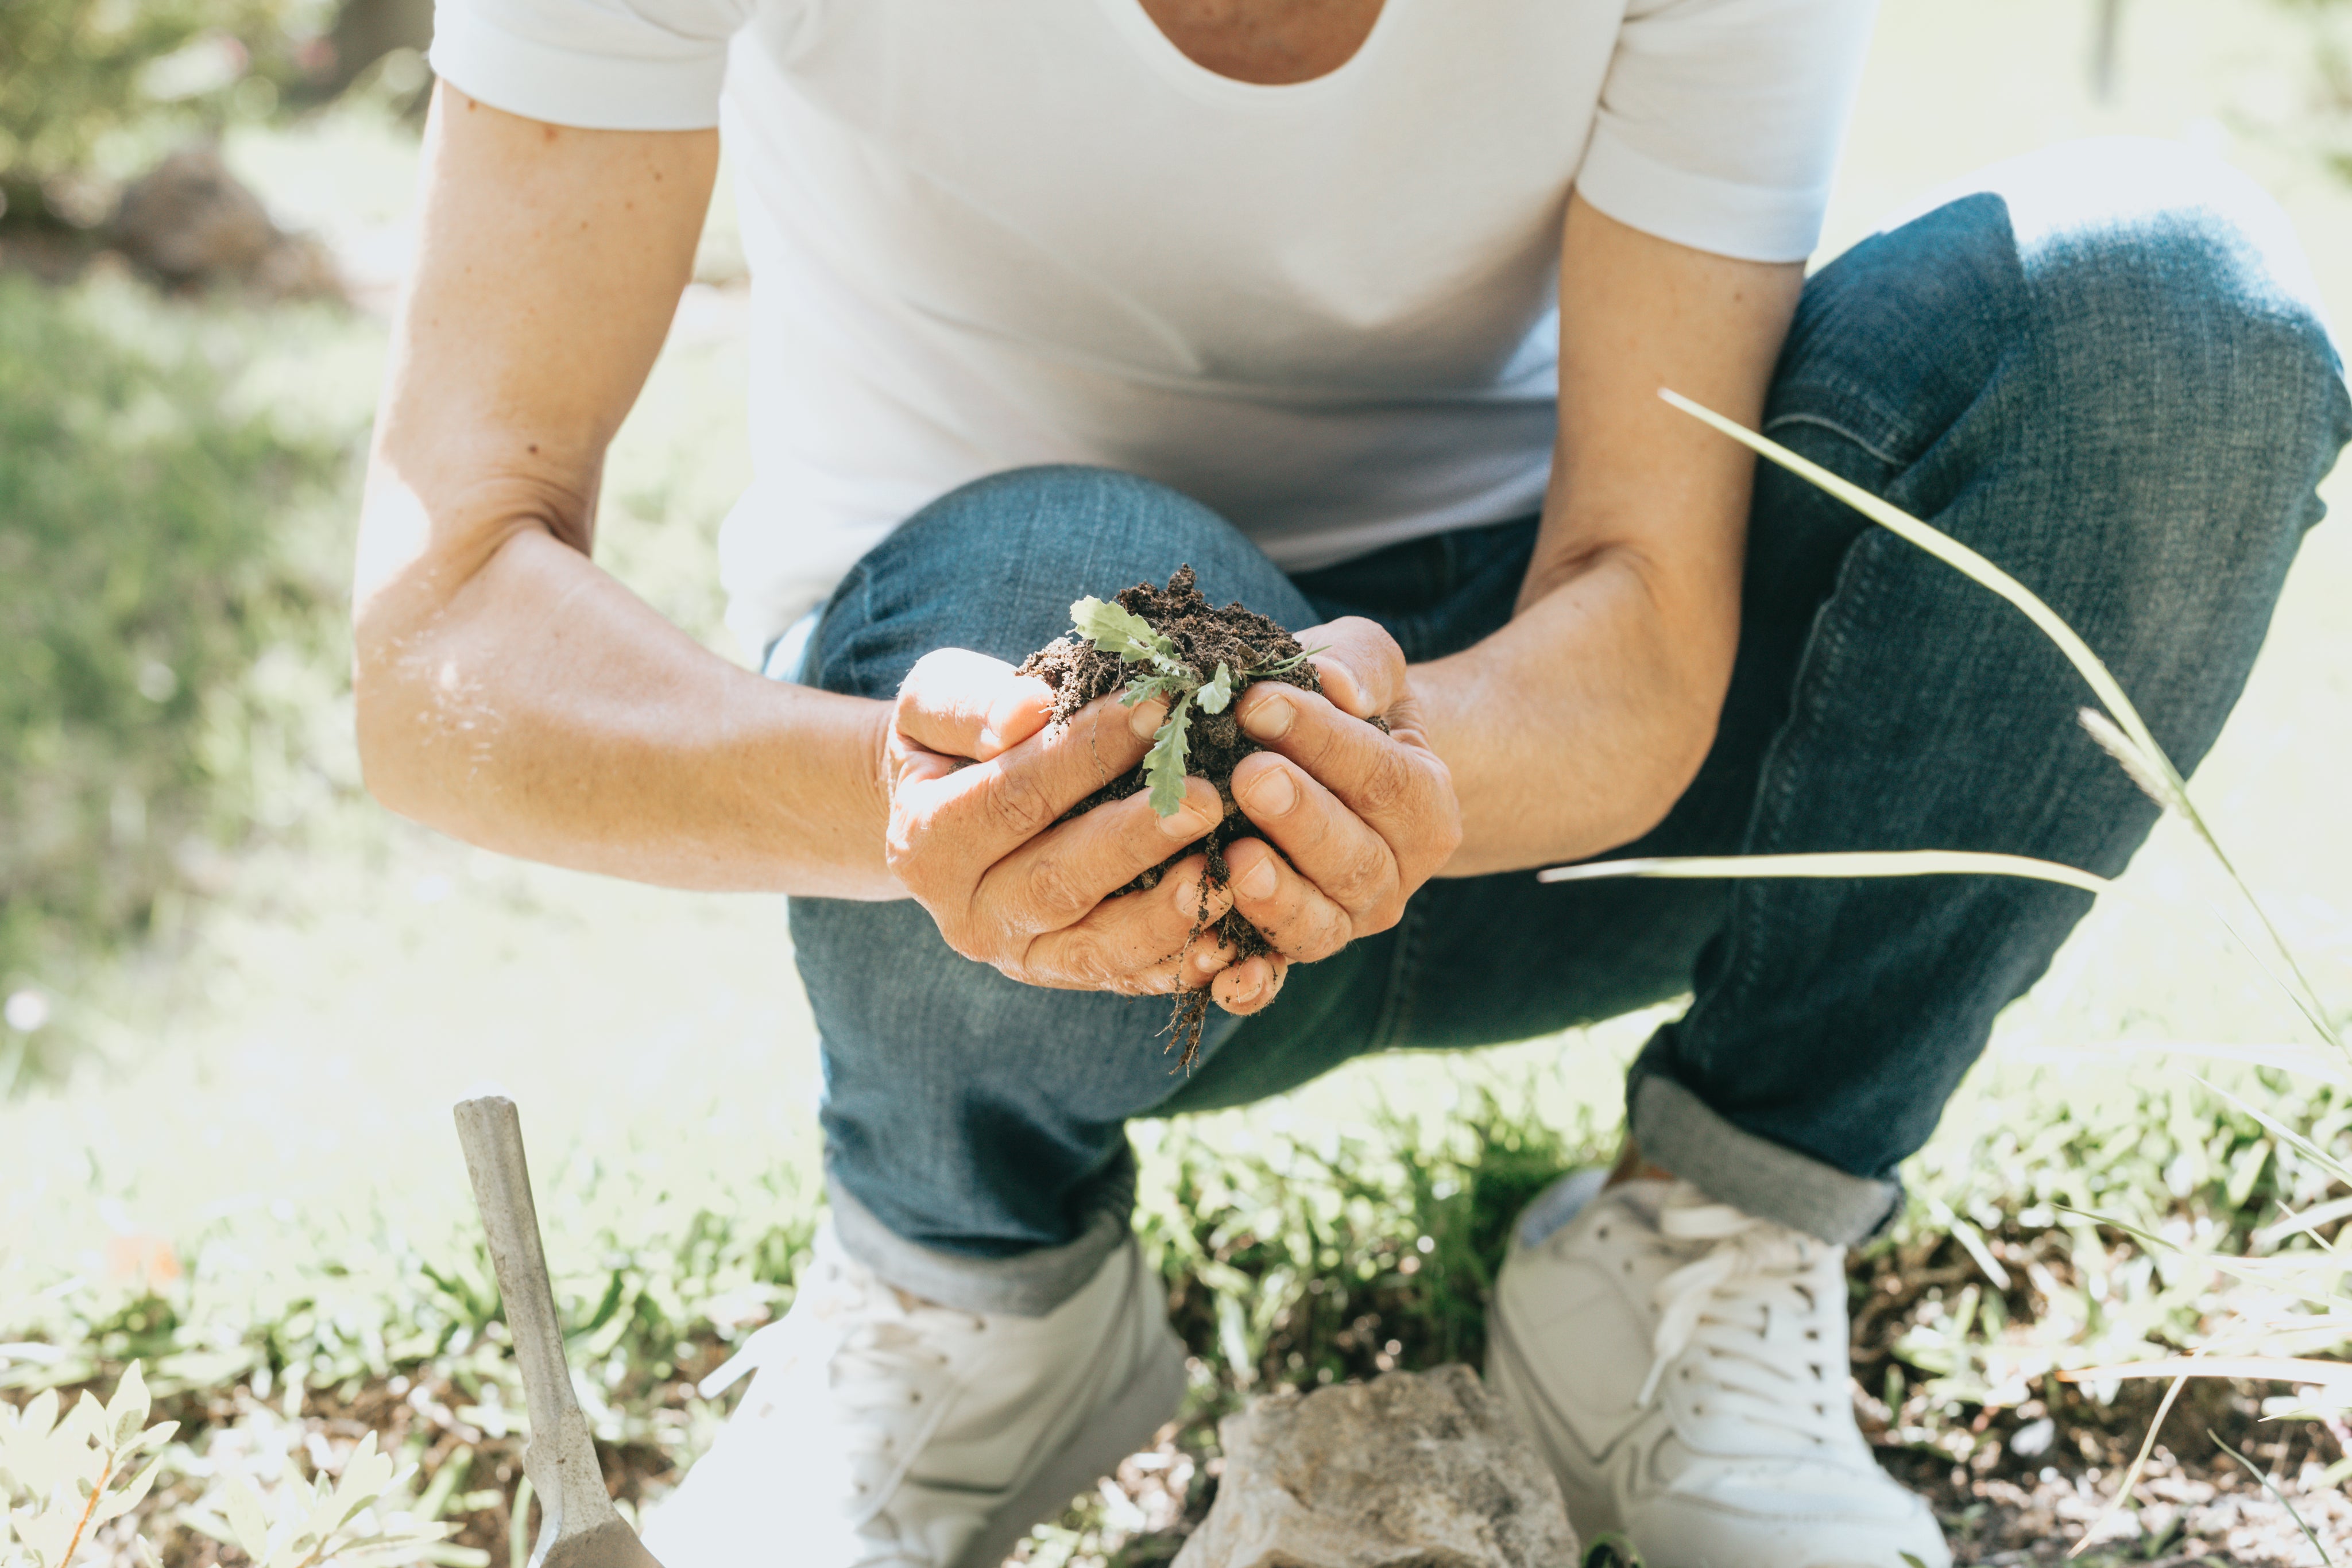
x=1191, y=77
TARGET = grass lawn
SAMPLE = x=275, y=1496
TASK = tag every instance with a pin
x=253, y=1182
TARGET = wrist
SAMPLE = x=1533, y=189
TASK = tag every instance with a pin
x=829, y=798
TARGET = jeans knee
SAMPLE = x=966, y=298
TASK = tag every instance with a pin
x=2169, y=287
x=1023, y=510
x=994, y=564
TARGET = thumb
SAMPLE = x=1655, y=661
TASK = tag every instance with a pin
x=958, y=703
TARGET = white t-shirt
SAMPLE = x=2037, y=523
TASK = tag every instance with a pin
x=991, y=233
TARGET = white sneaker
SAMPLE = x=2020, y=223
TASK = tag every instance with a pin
x=881, y=1434
x=1685, y=1366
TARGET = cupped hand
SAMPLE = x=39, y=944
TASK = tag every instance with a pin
x=1361, y=817
x=978, y=786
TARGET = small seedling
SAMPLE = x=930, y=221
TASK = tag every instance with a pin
x=1170, y=645
x=1115, y=630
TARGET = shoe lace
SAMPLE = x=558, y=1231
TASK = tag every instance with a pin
x=1761, y=1305
x=885, y=1366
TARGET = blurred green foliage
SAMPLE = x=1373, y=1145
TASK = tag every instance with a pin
x=147, y=565
x=74, y=72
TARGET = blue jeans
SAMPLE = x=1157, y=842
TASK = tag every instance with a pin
x=2101, y=367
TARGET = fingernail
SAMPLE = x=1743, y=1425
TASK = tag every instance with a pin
x=1268, y=718
x=1188, y=894
x=1259, y=881
x=1188, y=823
x=1143, y=720
x=1209, y=964
x=1273, y=792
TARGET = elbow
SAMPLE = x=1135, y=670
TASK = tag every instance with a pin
x=390, y=727
x=1670, y=767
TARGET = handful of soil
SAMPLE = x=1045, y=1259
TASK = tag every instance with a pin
x=1172, y=643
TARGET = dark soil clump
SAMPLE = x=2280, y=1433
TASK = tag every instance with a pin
x=1254, y=649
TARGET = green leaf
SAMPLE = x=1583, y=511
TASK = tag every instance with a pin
x=1219, y=691
x=1164, y=763
x=126, y=1413
x=1284, y=666
x=130, y=1497
x=1611, y=1551
x=246, y=1517
x=87, y=1424
x=1140, y=691
x=1115, y=630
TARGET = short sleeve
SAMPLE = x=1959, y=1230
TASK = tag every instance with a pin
x=1721, y=121
x=603, y=65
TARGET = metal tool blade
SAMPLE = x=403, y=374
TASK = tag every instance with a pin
x=578, y=1526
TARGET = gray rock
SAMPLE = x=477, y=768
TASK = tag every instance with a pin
x=190, y=221
x=1413, y=1470
x=188, y=217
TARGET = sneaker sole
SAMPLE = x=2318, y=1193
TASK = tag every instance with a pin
x=1123, y=1427
x=1590, y=1507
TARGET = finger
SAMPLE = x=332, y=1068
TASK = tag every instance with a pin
x=1393, y=782
x=1148, y=932
x=1362, y=668
x=1250, y=985
x=1059, y=878
x=1195, y=969
x=963, y=704
x=1335, y=850
x=997, y=805
x=1290, y=912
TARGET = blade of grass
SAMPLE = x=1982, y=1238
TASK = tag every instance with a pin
x=2278, y=1129
x=2305, y=1370
x=2253, y=1471
x=1854, y=863
x=2156, y=769
x=2122, y=1499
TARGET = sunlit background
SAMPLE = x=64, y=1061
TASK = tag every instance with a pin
x=237, y=1000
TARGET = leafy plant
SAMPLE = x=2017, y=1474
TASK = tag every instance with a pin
x=1119, y=632
x=77, y=1473
x=328, y=1521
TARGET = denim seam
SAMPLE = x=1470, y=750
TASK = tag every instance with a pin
x=1782, y=421
x=1825, y=653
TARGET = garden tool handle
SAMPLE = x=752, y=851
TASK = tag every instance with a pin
x=562, y=1457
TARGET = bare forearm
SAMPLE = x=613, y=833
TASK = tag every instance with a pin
x=1574, y=728
x=509, y=692
x=545, y=712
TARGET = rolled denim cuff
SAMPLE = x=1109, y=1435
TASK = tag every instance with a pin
x=1026, y=1285
x=1679, y=1132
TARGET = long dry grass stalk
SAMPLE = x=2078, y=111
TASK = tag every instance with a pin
x=2125, y=737
x=2120, y=729
x=1840, y=863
